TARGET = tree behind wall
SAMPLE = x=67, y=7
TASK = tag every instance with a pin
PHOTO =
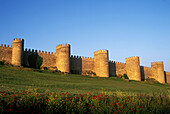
x=35, y=61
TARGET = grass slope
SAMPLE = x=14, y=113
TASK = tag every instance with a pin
x=14, y=80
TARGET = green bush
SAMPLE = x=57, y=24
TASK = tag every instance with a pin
x=89, y=73
x=45, y=68
x=125, y=76
x=39, y=61
x=35, y=61
x=2, y=62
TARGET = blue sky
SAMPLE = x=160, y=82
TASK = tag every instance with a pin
x=125, y=27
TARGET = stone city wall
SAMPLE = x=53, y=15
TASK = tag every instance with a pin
x=100, y=64
x=167, y=77
x=80, y=64
x=5, y=53
x=76, y=64
x=49, y=59
x=112, y=68
x=120, y=68
x=146, y=72
x=117, y=68
x=87, y=64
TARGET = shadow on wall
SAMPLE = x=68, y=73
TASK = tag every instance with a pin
x=112, y=69
x=142, y=73
x=34, y=61
x=76, y=65
x=165, y=76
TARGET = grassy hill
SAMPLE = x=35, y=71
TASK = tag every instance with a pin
x=18, y=78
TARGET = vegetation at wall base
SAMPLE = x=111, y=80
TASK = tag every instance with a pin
x=28, y=90
x=35, y=61
x=2, y=62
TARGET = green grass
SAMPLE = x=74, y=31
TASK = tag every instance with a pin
x=19, y=80
x=85, y=94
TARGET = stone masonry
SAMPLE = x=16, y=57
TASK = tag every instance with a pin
x=133, y=68
x=100, y=64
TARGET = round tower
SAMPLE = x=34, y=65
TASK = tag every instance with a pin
x=63, y=57
x=101, y=65
x=17, y=51
x=133, y=68
x=158, y=71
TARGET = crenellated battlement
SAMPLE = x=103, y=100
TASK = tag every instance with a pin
x=119, y=63
x=101, y=51
x=101, y=63
x=132, y=58
x=5, y=46
x=87, y=58
x=45, y=52
x=76, y=57
x=158, y=71
x=17, y=51
x=83, y=58
x=39, y=52
x=62, y=45
x=111, y=61
x=157, y=63
x=61, y=59
x=133, y=68
x=30, y=50
x=18, y=40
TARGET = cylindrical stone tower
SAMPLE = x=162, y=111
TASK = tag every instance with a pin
x=158, y=71
x=101, y=65
x=63, y=57
x=17, y=52
x=133, y=68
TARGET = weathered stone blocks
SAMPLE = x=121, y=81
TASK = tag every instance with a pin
x=17, y=52
x=133, y=68
x=101, y=66
x=158, y=71
x=98, y=65
x=63, y=57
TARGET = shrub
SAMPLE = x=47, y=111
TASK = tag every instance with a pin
x=2, y=62
x=44, y=68
x=89, y=73
x=35, y=61
x=125, y=76
x=151, y=80
x=39, y=61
